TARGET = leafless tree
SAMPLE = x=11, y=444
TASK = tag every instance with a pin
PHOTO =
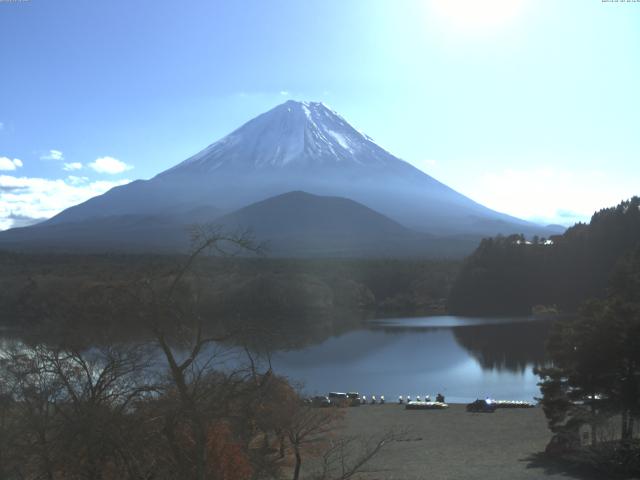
x=306, y=427
x=72, y=410
x=348, y=456
x=182, y=334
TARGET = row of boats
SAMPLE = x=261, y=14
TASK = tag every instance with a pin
x=419, y=403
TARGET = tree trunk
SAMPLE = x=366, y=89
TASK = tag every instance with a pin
x=625, y=426
x=201, y=451
x=47, y=458
x=281, y=439
x=296, y=472
x=594, y=426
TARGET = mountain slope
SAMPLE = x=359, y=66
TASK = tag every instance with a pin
x=294, y=224
x=132, y=232
x=298, y=223
x=302, y=146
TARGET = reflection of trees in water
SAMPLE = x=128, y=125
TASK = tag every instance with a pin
x=296, y=331
x=265, y=333
x=511, y=346
x=507, y=346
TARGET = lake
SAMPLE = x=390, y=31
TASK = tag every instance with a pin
x=464, y=358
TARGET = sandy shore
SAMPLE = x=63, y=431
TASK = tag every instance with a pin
x=453, y=444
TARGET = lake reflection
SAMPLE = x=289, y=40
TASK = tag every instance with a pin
x=464, y=358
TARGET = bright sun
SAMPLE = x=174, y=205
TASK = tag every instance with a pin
x=477, y=15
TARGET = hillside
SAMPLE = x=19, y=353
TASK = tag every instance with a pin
x=301, y=224
x=508, y=275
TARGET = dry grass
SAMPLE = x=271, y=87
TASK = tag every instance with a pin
x=453, y=444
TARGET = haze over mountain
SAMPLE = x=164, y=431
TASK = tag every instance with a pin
x=296, y=146
x=294, y=224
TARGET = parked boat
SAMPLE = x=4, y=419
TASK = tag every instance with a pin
x=426, y=406
x=512, y=404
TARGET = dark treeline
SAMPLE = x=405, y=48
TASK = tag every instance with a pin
x=510, y=275
x=287, y=294
x=591, y=387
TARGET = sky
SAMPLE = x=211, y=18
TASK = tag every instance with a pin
x=530, y=107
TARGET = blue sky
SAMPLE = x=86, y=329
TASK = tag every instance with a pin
x=528, y=106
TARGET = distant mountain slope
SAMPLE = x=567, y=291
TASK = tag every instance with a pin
x=294, y=224
x=302, y=214
x=297, y=223
x=136, y=233
x=302, y=146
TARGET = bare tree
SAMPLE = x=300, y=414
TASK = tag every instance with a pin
x=32, y=398
x=98, y=389
x=308, y=426
x=172, y=308
x=348, y=456
x=72, y=410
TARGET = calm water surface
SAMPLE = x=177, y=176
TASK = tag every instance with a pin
x=464, y=358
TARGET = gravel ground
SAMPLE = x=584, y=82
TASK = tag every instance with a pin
x=453, y=444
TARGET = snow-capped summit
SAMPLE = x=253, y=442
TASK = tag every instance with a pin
x=293, y=135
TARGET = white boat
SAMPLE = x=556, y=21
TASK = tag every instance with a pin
x=512, y=404
x=426, y=406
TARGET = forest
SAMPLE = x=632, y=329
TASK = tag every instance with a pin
x=513, y=275
x=52, y=294
x=590, y=384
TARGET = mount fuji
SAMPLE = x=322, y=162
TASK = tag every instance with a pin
x=296, y=146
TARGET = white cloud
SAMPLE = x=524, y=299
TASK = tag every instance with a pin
x=53, y=155
x=21, y=220
x=284, y=93
x=549, y=194
x=109, y=165
x=23, y=198
x=70, y=167
x=74, y=180
x=8, y=164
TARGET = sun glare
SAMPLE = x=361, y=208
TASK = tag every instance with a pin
x=476, y=15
